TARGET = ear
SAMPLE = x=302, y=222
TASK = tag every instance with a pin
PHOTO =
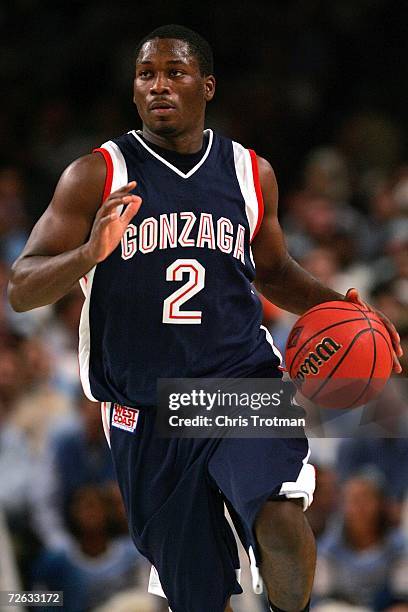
x=209, y=87
x=134, y=87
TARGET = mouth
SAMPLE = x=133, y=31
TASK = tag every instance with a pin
x=161, y=107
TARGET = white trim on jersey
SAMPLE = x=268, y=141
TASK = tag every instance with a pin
x=119, y=178
x=269, y=339
x=168, y=164
x=306, y=481
x=155, y=587
x=84, y=348
x=243, y=170
x=304, y=486
x=257, y=582
x=120, y=173
x=251, y=256
x=105, y=414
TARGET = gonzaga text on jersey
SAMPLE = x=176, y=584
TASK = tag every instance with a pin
x=185, y=230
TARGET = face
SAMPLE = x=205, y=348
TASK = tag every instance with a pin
x=362, y=503
x=88, y=509
x=169, y=91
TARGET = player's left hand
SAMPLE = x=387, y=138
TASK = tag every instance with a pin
x=352, y=295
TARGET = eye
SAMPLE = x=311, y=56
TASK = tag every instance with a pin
x=175, y=72
x=144, y=74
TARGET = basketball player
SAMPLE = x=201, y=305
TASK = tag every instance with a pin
x=165, y=228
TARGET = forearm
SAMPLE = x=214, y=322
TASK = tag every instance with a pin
x=39, y=280
x=292, y=288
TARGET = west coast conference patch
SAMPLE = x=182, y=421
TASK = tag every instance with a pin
x=124, y=417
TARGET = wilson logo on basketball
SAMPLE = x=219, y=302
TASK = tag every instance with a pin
x=323, y=352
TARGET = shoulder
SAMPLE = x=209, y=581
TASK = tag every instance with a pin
x=268, y=183
x=91, y=167
x=81, y=185
x=265, y=170
x=397, y=541
x=331, y=542
x=262, y=172
x=126, y=549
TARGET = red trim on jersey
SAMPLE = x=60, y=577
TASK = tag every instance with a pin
x=109, y=172
x=258, y=192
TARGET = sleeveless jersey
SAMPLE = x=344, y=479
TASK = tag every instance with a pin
x=175, y=298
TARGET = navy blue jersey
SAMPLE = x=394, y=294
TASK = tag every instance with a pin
x=175, y=298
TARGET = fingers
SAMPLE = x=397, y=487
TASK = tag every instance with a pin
x=108, y=218
x=396, y=366
x=112, y=203
x=394, y=335
x=131, y=209
x=120, y=193
x=353, y=295
x=131, y=203
x=110, y=213
x=395, y=340
x=124, y=190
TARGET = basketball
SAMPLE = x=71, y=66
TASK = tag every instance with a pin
x=339, y=355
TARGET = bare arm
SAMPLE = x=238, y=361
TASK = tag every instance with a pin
x=278, y=277
x=281, y=280
x=74, y=233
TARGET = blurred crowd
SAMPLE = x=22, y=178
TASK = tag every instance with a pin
x=339, y=151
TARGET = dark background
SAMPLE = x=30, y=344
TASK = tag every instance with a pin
x=291, y=75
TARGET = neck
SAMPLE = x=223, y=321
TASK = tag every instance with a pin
x=190, y=142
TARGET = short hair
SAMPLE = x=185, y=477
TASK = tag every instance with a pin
x=199, y=47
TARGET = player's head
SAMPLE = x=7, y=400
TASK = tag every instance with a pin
x=173, y=80
x=198, y=46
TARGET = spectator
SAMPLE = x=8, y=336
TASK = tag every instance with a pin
x=95, y=565
x=61, y=336
x=346, y=218
x=13, y=234
x=361, y=560
x=9, y=576
x=82, y=455
x=16, y=453
x=78, y=456
x=326, y=174
x=40, y=405
x=325, y=500
x=390, y=456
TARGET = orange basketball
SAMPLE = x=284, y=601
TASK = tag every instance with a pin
x=339, y=355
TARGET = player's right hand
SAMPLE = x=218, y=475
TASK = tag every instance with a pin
x=109, y=226
x=353, y=296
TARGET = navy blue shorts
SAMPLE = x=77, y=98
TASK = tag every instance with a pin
x=174, y=492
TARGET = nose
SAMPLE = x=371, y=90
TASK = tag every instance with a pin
x=160, y=84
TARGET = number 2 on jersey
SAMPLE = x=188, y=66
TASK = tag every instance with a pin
x=194, y=284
